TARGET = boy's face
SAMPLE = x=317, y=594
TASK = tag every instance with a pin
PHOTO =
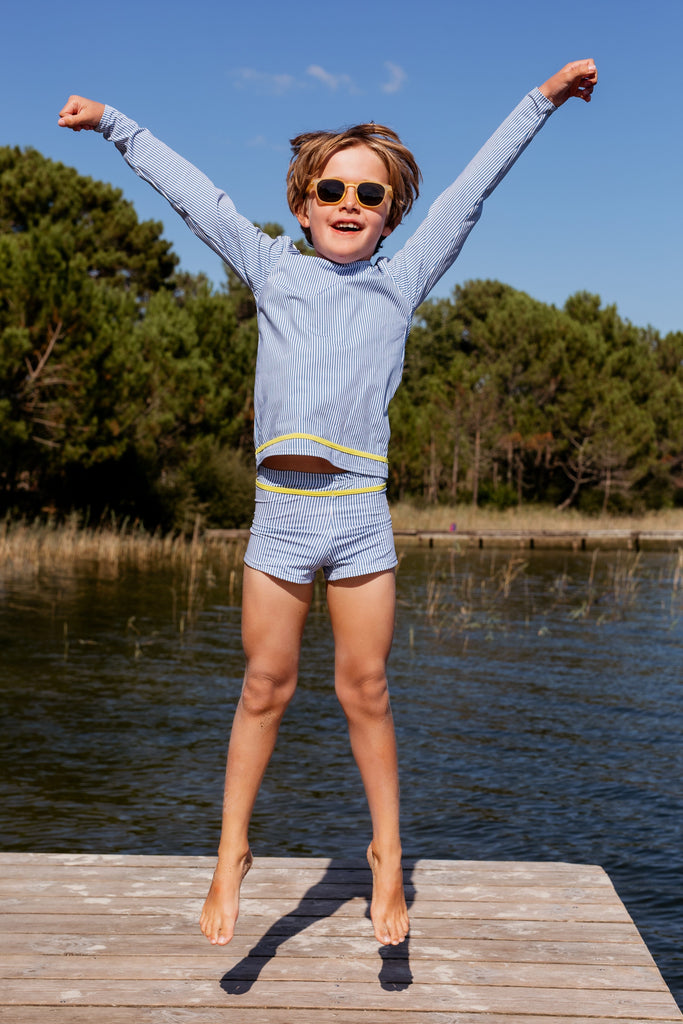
x=348, y=232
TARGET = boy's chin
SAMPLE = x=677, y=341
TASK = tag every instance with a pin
x=344, y=253
x=343, y=260
x=344, y=246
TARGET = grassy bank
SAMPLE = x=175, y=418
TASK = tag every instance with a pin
x=529, y=517
x=40, y=546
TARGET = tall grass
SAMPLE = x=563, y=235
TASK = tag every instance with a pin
x=38, y=546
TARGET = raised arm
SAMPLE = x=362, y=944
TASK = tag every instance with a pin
x=207, y=210
x=436, y=244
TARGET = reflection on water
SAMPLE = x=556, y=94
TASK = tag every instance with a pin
x=538, y=706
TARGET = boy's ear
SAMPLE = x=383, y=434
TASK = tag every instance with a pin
x=386, y=232
x=302, y=216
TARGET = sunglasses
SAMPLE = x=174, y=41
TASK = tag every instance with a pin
x=331, y=191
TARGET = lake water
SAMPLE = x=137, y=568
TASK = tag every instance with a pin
x=538, y=704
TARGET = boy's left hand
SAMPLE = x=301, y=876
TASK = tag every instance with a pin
x=576, y=79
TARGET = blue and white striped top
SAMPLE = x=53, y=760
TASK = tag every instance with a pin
x=331, y=336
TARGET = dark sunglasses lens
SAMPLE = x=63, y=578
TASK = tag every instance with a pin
x=370, y=193
x=330, y=190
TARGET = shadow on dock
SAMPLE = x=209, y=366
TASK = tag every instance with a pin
x=394, y=975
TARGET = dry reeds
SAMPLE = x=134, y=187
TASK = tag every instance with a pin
x=40, y=547
x=40, y=550
x=406, y=516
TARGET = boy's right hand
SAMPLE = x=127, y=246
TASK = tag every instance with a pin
x=80, y=114
x=576, y=79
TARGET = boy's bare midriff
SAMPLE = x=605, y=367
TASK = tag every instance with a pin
x=301, y=464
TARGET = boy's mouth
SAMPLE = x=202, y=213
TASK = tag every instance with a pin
x=345, y=225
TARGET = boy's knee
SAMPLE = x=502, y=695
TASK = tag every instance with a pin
x=264, y=692
x=364, y=690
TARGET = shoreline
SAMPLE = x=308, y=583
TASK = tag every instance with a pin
x=575, y=539
x=38, y=546
x=528, y=518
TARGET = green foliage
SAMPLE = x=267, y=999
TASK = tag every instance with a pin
x=223, y=482
x=127, y=388
x=39, y=197
x=515, y=395
x=112, y=371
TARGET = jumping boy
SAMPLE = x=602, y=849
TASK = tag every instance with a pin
x=332, y=333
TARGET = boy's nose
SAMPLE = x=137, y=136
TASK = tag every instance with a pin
x=350, y=200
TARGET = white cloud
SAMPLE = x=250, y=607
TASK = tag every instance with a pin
x=332, y=82
x=274, y=85
x=262, y=142
x=397, y=77
x=278, y=85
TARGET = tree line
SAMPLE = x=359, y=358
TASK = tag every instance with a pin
x=126, y=384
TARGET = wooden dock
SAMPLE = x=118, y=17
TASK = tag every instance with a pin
x=88, y=939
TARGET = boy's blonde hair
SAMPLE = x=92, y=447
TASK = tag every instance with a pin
x=312, y=150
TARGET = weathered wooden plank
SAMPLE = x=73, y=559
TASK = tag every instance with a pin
x=93, y=923
x=354, y=907
x=259, y=885
x=306, y=864
x=317, y=866
x=519, y=951
x=291, y=889
x=199, y=870
x=317, y=869
x=344, y=970
x=116, y=884
x=256, y=1015
x=357, y=995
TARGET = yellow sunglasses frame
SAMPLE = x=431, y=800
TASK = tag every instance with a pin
x=388, y=191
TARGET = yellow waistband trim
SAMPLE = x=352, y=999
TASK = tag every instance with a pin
x=328, y=444
x=319, y=493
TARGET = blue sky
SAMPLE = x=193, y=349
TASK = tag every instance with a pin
x=594, y=204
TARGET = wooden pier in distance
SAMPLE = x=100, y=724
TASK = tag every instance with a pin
x=89, y=939
x=573, y=540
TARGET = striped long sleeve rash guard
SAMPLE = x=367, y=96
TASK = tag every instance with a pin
x=331, y=336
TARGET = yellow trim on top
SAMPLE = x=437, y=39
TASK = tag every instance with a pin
x=327, y=444
x=319, y=493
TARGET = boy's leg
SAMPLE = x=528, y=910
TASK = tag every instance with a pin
x=362, y=612
x=273, y=616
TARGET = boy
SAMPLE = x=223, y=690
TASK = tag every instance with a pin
x=332, y=333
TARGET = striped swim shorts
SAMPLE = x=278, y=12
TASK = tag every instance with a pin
x=337, y=522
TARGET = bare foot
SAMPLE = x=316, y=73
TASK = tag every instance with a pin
x=221, y=907
x=388, y=909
